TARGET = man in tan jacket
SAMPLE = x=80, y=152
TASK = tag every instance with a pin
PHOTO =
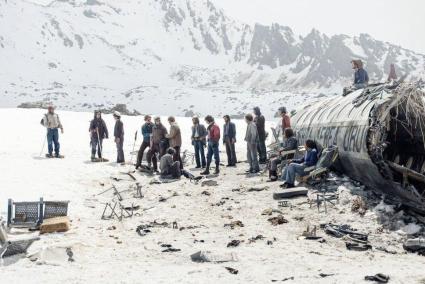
x=175, y=139
x=52, y=122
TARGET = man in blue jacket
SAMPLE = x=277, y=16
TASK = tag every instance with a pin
x=297, y=166
x=229, y=140
x=146, y=133
x=361, y=78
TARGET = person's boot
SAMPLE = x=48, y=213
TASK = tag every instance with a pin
x=217, y=169
x=93, y=158
x=207, y=171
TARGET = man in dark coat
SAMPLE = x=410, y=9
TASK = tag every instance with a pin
x=98, y=132
x=260, y=122
x=229, y=140
x=146, y=133
x=119, y=137
x=159, y=143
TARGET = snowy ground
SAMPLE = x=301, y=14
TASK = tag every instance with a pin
x=107, y=255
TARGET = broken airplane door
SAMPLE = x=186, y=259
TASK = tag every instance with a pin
x=379, y=132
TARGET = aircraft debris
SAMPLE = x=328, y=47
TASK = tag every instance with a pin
x=379, y=132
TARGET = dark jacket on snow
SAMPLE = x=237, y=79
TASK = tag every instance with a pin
x=260, y=122
x=100, y=125
x=361, y=76
x=158, y=133
x=147, y=131
x=290, y=144
x=229, y=131
x=202, y=132
x=119, y=129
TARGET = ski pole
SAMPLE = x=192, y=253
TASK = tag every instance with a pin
x=134, y=145
x=44, y=144
x=100, y=144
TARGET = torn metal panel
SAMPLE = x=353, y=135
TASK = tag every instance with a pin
x=379, y=131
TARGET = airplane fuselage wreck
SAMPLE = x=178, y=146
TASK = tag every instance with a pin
x=379, y=132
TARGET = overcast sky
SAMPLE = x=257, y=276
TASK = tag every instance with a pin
x=401, y=22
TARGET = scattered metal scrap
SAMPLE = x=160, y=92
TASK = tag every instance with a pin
x=120, y=212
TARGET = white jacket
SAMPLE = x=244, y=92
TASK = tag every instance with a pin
x=51, y=120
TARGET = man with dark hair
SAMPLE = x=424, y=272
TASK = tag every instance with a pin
x=158, y=143
x=119, y=137
x=286, y=120
x=251, y=138
x=213, y=144
x=297, y=166
x=52, y=122
x=146, y=133
x=98, y=132
x=260, y=122
x=168, y=167
x=229, y=140
x=199, y=136
x=290, y=142
x=361, y=78
x=175, y=139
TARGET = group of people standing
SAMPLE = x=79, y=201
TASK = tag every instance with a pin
x=165, y=145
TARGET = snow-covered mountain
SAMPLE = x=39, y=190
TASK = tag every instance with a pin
x=172, y=56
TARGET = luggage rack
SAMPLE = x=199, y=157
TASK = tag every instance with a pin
x=31, y=214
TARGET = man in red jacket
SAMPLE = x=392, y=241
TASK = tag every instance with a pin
x=213, y=143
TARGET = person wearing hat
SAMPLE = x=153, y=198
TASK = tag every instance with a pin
x=98, y=132
x=52, y=122
x=146, y=133
x=119, y=137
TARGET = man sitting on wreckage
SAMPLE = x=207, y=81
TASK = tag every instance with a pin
x=290, y=142
x=170, y=169
x=297, y=166
x=361, y=78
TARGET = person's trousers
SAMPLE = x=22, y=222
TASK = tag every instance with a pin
x=141, y=152
x=177, y=157
x=291, y=171
x=262, y=151
x=251, y=155
x=213, y=150
x=231, y=153
x=120, y=151
x=53, y=139
x=96, y=144
x=199, y=153
x=151, y=156
x=274, y=163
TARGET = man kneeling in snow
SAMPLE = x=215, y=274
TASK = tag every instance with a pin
x=169, y=168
